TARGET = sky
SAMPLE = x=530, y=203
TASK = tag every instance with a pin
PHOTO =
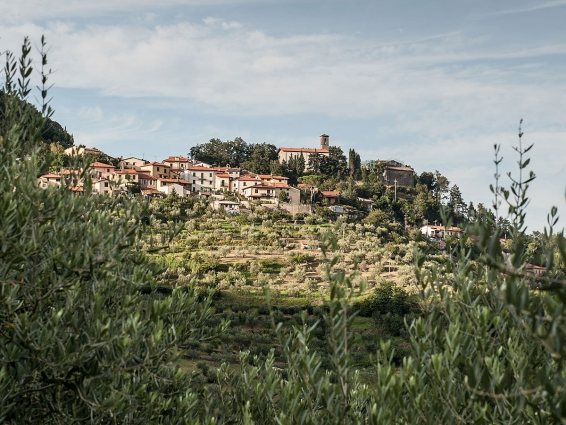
x=434, y=84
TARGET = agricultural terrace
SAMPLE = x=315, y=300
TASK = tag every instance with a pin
x=237, y=257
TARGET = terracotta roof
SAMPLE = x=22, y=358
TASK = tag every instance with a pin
x=265, y=186
x=247, y=178
x=101, y=164
x=125, y=171
x=201, y=168
x=180, y=181
x=392, y=167
x=330, y=194
x=150, y=190
x=155, y=163
x=223, y=175
x=307, y=150
x=176, y=159
x=146, y=176
x=51, y=175
x=454, y=229
x=269, y=176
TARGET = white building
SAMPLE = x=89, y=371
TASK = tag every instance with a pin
x=229, y=206
x=440, y=232
x=202, y=179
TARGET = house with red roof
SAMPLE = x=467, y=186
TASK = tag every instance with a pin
x=244, y=182
x=100, y=170
x=180, y=186
x=270, y=192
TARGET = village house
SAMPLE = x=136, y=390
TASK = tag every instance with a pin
x=534, y=270
x=202, y=179
x=271, y=179
x=180, y=186
x=270, y=192
x=222, y=181
x=99, y=170
x=157, y=169
x=124, y=177
x=440, y=232
x=367, y=204
x=150, y=192
x=102, y=186
x=178, y=163
x=82, y=150
x=147, y=181
x=332, y=196
x=229, y=206
x=48, y=180
x=400, y=175
x=132, y=162
x=244, y=182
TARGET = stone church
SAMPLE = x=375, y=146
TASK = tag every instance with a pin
x=285, y=154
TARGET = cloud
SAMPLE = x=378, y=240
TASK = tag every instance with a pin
x=534, y=7
x=226, y=67
x=32, y=10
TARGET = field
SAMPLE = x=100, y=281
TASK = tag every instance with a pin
x=239, y=257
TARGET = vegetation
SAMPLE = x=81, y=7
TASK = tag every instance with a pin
x=115, y=310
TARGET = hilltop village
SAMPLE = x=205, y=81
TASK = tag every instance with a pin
x=228, y=187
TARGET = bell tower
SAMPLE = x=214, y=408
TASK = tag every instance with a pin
x=324, y=141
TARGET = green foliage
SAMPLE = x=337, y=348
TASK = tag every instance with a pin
x=85, y=337
x=256, y=158
x=386, y=299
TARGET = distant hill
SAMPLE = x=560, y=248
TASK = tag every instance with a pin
x=52, y=131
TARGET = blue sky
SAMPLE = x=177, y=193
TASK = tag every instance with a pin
x=434, y=84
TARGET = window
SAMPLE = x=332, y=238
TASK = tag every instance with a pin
x=210, y=174
x=245, y=184
x=202, y=175
x=194, y=182
x=105, y=184
x=157, y=169
x=256, y=191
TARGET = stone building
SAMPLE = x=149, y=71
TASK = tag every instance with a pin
x=285, y=154
x=403, y=175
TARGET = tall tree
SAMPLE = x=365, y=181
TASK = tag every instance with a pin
x=354, y=164
x=335, y=165
x=259, y=161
